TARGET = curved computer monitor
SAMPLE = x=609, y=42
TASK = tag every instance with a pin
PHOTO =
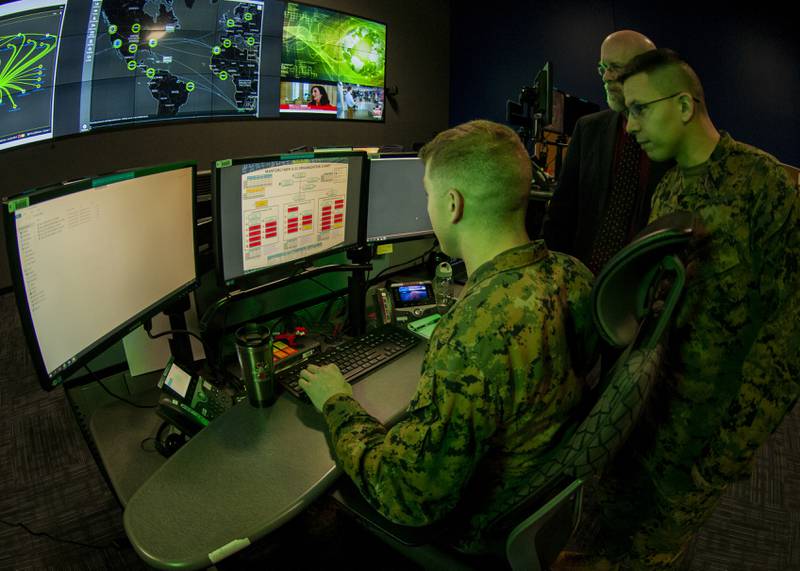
x=397, y=206
x=78, y=66
x=92, y=259
x=273, y=215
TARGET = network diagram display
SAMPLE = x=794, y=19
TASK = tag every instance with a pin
x=29, y=42
x=89, y=260
x=153, y=60
x=73, y=66
x=292, y=210
x=275, y=211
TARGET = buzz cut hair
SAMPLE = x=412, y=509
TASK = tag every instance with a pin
x=667, y=71
x=485, y=159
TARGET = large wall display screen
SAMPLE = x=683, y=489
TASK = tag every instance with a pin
x=29, y=42
x=332, y=62
x=158, y=60
x=71, y=66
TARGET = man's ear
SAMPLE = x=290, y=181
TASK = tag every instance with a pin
x=456, y=205
x=688, y=107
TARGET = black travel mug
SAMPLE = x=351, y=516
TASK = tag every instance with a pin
x=254, y=348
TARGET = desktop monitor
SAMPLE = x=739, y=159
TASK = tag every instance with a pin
x=273, y=215
x=92, y=259
x=397, y=206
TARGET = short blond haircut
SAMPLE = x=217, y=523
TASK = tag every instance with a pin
x=483, y=160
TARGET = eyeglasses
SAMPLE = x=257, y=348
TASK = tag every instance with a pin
x=635, y=110
x=602, y=68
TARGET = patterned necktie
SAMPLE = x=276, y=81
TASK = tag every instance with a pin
x=615, y=224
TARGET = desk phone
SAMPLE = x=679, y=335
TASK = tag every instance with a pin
x=403, y=301
x=188, y=401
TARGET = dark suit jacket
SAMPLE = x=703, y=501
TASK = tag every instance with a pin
x=579, y=200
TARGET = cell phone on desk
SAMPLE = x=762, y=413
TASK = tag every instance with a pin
x=188, y=401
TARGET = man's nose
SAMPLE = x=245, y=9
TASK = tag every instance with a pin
x=632, y=125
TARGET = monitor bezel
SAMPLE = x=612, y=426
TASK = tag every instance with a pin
x=393, y=239
x=286, y=269
x=53, y=191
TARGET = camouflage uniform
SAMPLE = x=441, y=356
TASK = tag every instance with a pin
x=499, y=382
x=733, y=368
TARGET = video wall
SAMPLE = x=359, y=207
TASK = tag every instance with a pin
x=74, y=66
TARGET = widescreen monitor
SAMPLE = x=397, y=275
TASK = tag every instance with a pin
x=397, y=203
x=92, y=259
x=275, y=214
x=75, y=66
x=332, y=64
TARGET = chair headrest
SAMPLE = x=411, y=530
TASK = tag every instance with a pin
x=619, y=296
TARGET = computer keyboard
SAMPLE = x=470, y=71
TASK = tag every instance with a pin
x=355, y=358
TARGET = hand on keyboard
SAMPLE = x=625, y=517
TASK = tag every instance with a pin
x=355, y=358
x=321, y=383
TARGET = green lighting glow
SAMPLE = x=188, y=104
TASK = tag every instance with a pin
x=323, y=45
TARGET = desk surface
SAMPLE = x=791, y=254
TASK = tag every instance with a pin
x=249, y=472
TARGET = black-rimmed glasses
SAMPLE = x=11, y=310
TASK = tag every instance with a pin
x=602, y=68
x=635, y=110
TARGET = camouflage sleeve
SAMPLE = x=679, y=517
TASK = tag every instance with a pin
x=771, y=370
x=414, y=473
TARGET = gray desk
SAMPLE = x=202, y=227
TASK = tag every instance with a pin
x=249, y=472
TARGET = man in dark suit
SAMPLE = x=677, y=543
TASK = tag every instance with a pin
x=603, y=195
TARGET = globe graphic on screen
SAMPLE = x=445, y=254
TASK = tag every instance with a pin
x=364, y=51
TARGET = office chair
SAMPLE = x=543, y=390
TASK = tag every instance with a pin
x=634, y=299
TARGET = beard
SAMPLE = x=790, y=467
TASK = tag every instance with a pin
x=615, y=100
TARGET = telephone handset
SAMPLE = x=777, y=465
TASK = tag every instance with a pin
x=383, y=300
x=188, y=401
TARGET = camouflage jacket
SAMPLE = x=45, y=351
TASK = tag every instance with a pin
x=735, y=363
x=498, y=385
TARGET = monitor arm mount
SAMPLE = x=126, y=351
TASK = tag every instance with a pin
x=526, y=115
x=212, y=327
x=529, y=118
